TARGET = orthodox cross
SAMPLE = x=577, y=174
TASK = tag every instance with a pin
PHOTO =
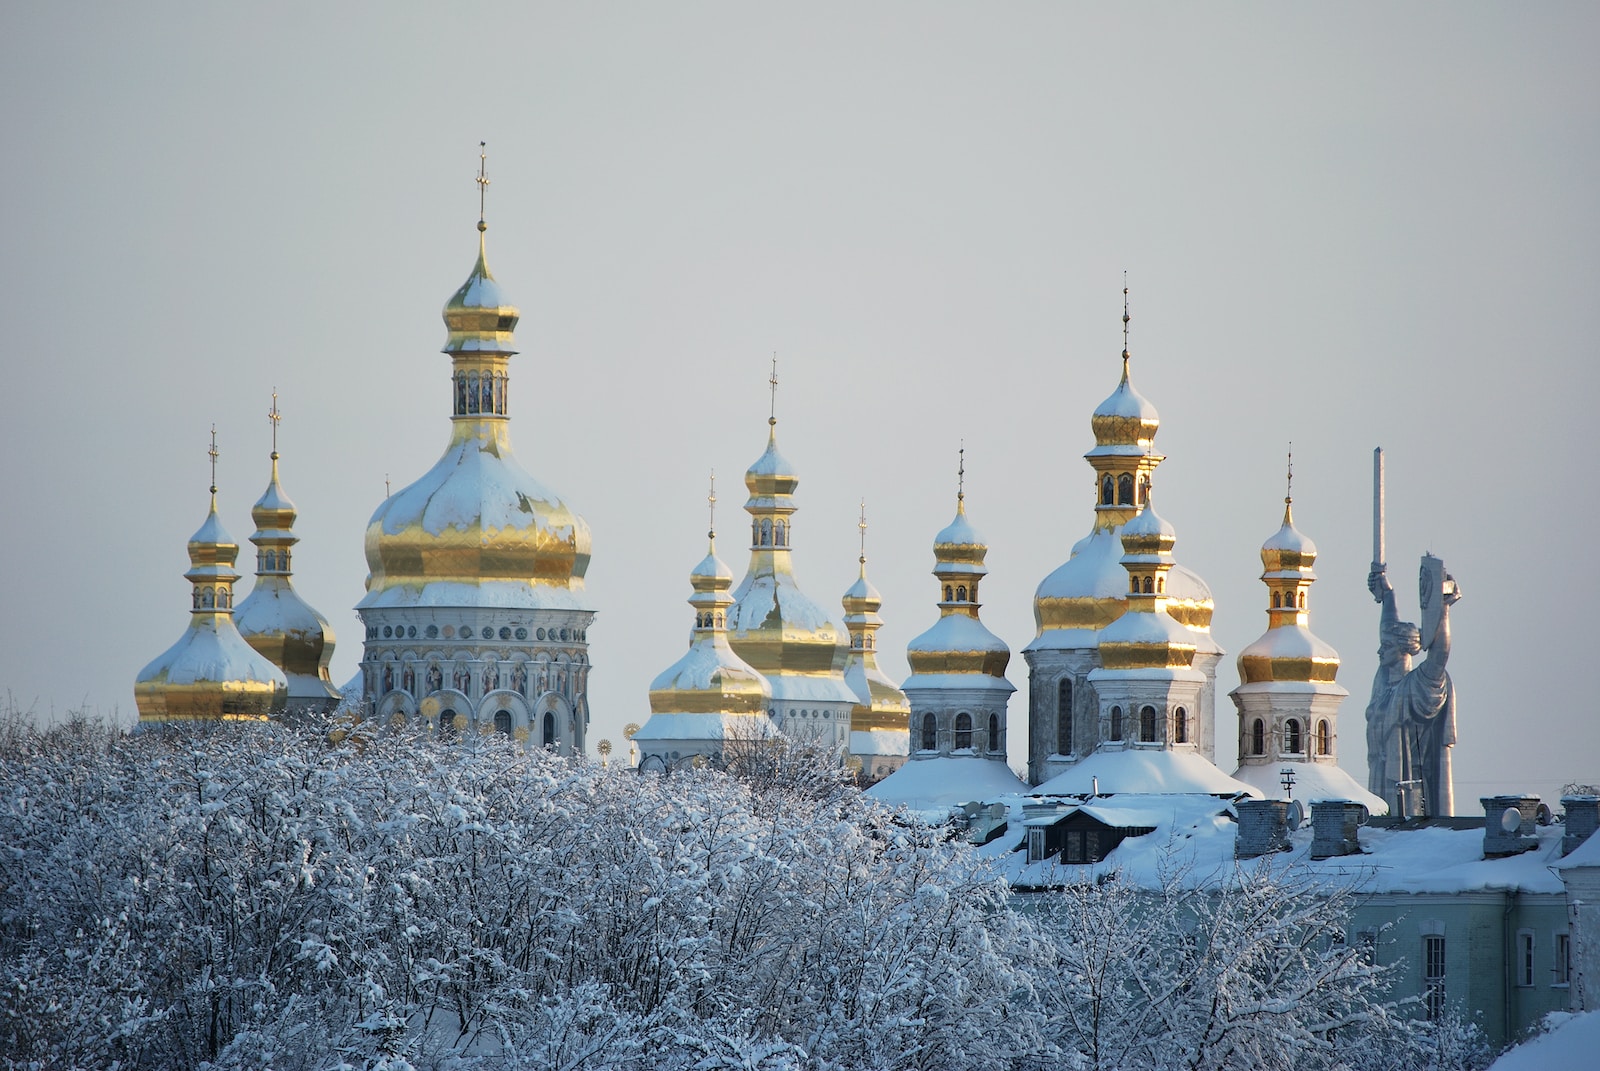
x=273, y=416
x=1125, y=319
x=863, y=526
x=711, y=504
x=1288, y=492
x=772, y=415
x=961, y=473
x=213, y=455
x=483, y=178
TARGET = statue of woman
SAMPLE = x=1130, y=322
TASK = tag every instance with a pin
x=1411, y=718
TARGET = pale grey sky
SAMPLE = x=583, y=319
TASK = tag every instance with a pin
x=1376, y=224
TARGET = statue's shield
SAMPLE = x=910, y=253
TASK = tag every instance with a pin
x=1430, y=585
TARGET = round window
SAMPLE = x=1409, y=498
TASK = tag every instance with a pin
x=541, y=634
x=505, y=633
x=563, y=633
x=433, y=631
x=411, y=631
x=387, y=632
x=522, y=633
x=488, y=633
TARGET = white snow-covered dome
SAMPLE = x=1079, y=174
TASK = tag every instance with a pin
x=959, y=533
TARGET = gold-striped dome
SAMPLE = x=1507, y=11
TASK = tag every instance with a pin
x=1288, y=650
x=958, y=643
x=710, y=678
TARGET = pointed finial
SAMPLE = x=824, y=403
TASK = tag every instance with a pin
x=213, y=455
x=386, y=485
x=772, y=415
x=274, y=416
x=711, y=504
x=483, y=181
x=1288, y=493
x=863, y=526
x=961, y=475
x=1125, y=319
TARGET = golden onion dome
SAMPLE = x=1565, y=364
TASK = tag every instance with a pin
x=1126, y=419
x=880, y=706
x=477, y=528
x=1147, y=637
x=211, y=673
x=958, y=643
x=273, y=618
x=710, y=679
x=1288, y=650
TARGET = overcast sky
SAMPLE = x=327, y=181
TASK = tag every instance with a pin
x=1345, y=227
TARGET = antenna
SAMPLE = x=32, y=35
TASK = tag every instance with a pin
x=274, y=416
x=772, y=415
x=863, y=526
x=711, y=504
x=213, y=455
x=483, y=181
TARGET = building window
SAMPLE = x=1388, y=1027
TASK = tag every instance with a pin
x=963, y=731
x=930, y=733
x=1302, y=600
x=1277, y=601
x=1324, y=737
x=1147, y=724
x=1563, y=969
x=961, y=593
x=1258, y=737
x=766, y=532
x=1433, y=975
x=549, y=739
x=447, y=723
x=1125, y=489
x=1180, y=726
x=1524, y=963
x=1074, y=847
x=949, y=593
x=1116, y=723
x=1291, y=736
x=502, y=722
x=1107, y=490
x=1064, y=717
x=994, y=732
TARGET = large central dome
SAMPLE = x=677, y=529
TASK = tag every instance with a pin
x=477, y=528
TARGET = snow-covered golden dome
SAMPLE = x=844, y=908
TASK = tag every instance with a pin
x=958, y=643
x=710, y=679
x=477, y=528
x=1288, y=650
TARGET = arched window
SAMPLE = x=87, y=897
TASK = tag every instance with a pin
x=1291, y=736
x=1180, y=726
x=1324, y=743
x=994, y=732
x=1107, y=490
x=961, y=593
x=1116, y=723
x=949, y=595
x=1149, y=585
x=1277, y=601
x=1133, y=584
x=472, y=392
x=780, y=534
x=766, y=531
x=1302, y=600
x=447, y=722
x=1147, y=724
x=963, y=731
x=930, y=733
x=1125, y=490
x=1258, y=737
x=549, y=737
x=502, y=722
x=1064, y=717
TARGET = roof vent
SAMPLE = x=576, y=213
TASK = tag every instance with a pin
x=1334, y=825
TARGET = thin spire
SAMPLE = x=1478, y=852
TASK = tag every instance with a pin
x=772, y=414
x=1125, y=319
x=1288, y=492
x=273, y=416
x=483, y=181
x=863, y=526
x=961, y=478
x=386, y=485
x=212, y=453
x=711, y=505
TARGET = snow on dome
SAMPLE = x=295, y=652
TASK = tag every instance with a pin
x=712, y=567
x=1292, y=642
x=1289, y=538
x=957, y=632
x=1147, y=522
x=959, y=533
x=1184, y=583
x=1155, y=628
x=1313, y=781
x=1127, y=403
x=863, y=589
x=771, y=462
x=937, y=784
x=1139, y=770
x=211, y=530
x=1093, y=572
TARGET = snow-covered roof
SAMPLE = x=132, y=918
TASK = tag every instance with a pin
x=804, y=688
x=1570, y=1044
x=881, y=743
x=478, y=483
x=939, y=783
x=1290, y=538
x=959, y=533
x=1125, y=401
x=705, y=727
x=958, y=632
x=706, y=665
x=1145, y=770
x=500, y=594
x=1585, y=854
x=760, y=595
x=1312, y=781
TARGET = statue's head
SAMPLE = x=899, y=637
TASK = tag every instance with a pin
x=1402, y=638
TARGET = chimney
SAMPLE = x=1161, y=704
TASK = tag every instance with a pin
x=1583, y=817
x=1263, y=828
x=1333, y=828
x=1508, y=825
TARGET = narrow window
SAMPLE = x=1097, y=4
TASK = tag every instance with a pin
x=1116, y=723
x=447, y=723
x=1324, y=738
x=1291, y=736
x=963, y=731
x=1125, y=489
x=1563, y=971
x=1433, y=975
x=1302, y=600
x=766, y=532
x=1258, y=737
x=472, y=392
x=994, y=732
x=780, y=534
x=1147, y=724
x=1180, y=726
x=1277, y=601
x=502, y=722
x=1161, y=585
x=949, y=593
x=1064, y=717
x=1107, y=490
x=549, y=740
x=1524, y=966
x=1149, y=585
x=930, y=733
x=961, y=593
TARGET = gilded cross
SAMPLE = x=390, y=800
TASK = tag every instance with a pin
x=711, y=504
x=212, y=453
x=863, y=526
x=274, y=416
x=772, y=415
x=483, y=176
